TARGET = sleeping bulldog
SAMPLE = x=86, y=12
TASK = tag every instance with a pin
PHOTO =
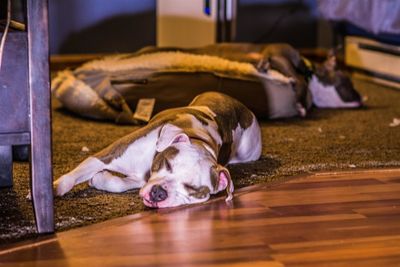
x=179, y=157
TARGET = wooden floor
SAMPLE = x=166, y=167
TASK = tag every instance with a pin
x=342, y=219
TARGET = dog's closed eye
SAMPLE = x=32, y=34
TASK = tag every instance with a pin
x=197, y=192
x=168, y=165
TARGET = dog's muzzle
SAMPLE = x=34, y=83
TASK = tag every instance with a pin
x=158, y=193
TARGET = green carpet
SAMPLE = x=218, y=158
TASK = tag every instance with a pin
x=325, y=140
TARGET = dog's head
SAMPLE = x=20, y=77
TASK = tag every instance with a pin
x=183, y=171
x=332, y=88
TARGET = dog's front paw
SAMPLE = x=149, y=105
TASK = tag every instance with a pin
x=62, y=185
x=301, y=110
x=96, y=180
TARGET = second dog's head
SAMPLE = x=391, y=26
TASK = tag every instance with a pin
x=183, y=171
x=332, y=88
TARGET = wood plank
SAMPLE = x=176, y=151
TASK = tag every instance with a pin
x=379, y=211
x=355, y=253
x=344, y=175
x=370, y=262
x=330, y=183
x=326, y=195
x=333, y=242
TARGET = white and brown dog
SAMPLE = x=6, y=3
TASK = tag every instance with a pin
x=179, y=157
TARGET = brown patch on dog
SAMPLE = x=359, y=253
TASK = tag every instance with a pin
x=214, y=176
x=114, y=173
x=229, y=114
x=225, y=153
x=172, y=114
x=197, y=192
x=162, y=159
x=200, y=140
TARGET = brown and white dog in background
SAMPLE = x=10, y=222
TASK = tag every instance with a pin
x=323, y=85
x=179, y=157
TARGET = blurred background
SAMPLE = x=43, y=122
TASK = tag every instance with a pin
x=367, y=30
x=102, y=26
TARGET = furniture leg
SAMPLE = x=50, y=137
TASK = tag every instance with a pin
x=5, y=166
x=40, y=119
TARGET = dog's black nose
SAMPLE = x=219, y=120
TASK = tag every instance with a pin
x=157, y=193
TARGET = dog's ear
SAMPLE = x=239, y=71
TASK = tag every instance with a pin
x=170, y=134
x=330, y=62
x=223, y=181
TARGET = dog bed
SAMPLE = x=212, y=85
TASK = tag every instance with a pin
x=112, y=87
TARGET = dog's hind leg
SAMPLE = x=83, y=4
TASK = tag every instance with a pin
x=106, y=181
x=83, y=172
x=249, y=147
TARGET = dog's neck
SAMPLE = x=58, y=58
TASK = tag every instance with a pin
x=201, y=142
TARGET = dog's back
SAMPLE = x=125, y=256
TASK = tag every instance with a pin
x=229, y=111
x=230, y=114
